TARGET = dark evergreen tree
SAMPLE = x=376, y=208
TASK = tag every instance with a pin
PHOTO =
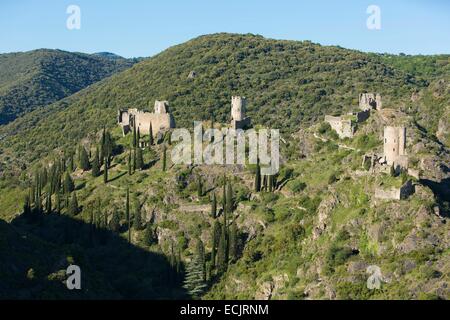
x=194, y=281
x=96, y=164
x=222, y=251
x=137, y=223
x=134, y=136
x=138, y=138
x=129, y=163
x=199, y=186
x=69, y=185
x=150, y=135
x=258, y=177
x=48, y=203
x=164, y=160
x=213, y=206
x=114, y=224
x=58, y=202
x=84, y=159
x=233, y=242
x=127, y=214
x=229, y=199
x=139, y=159
x=105, y=171
x=150, y=235
x=200, y=252
x=73, y=207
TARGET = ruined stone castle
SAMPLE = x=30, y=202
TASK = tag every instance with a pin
x=238, y=118
x=370, y=101
x=160, y=119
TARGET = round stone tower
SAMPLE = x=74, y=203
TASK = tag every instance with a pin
x=394, y=144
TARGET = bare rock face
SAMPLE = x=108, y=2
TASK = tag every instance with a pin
x=443, y=131
x=265, y=291
x=326, y=206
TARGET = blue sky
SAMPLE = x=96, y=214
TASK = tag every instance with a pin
x=142, y=28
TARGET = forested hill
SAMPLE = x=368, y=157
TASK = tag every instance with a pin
x=288, y=84
x=37, y=78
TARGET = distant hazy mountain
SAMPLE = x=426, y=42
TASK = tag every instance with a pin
x=37, y=78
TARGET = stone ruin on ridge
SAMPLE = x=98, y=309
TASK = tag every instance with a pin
x=160, y=119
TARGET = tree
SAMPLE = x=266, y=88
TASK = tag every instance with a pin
x=138, y=137
x=73, y=207
x=137, y=224
x=105, y=171
x=129, y=163
x=194, y=281
x=114, y=224
x=134, y=135
x=150, y=135
x=84, y=159
x=222, y=251
x=229, y=199
x=69, y=186
x=127, y=214
x=96, y=164
x=150, y=235
x=199, y=186
x=213, y=206
x=58, y=202
x=164, y=164
x=233, y=242
x=258, y=177
x=224, y=195
x=215, y=237
x=48, y=203
x=139, y=159
x=200, y=252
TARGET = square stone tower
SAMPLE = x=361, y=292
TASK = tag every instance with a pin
x=238, y=119
x=395, y=147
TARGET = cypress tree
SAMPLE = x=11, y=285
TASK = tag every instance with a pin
x=150, y=135
x=84, y=159
x=224, y=195
x=138, y=137
x=127, y=214
x=139, y=159
x=222, y=251
x=137, y=223
x=229, y=199
x=69, y=185
x=134, y=136
x=150, y=235
x=58, y=202
x=73, y=207
x=105, y=171
x=194, y=281
x=114, y=224
x=258, y=177
x=200, y=252
x=270, y=182
x=96, y=164
x=264, y=183
x=134, y=159
x=213, y=206
x=27, y=206
x=129, y=163
x=70, y=165
x=164, y=164
x=48, y=203
x=199, y=186
x=215, y=242
x=233, y=242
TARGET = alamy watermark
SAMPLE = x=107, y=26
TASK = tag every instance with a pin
x=73, y=21
x=373, y=22
x=74, y=277
x=208, y=146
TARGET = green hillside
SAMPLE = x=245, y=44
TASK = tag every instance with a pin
x=37, y=78
x=288, y=84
